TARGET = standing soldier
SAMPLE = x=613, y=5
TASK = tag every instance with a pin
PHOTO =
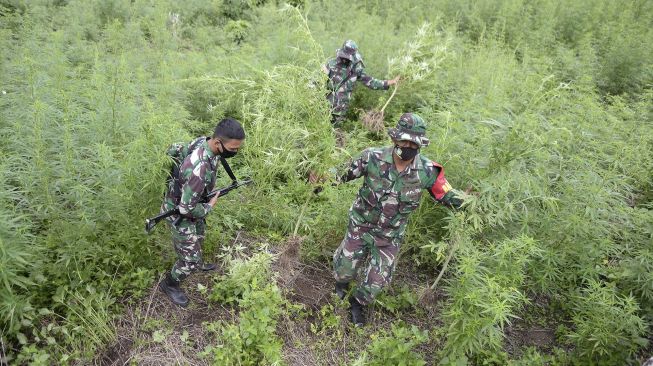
x=394, y=179
x=187, y=190
x=343, y=71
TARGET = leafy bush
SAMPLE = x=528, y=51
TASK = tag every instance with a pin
x=252, y=341
x=404, y=299
x=607, y=328
x=395, y=347
x=243, y=274
x=18, y=256
x=485, y=296
x=542, y=107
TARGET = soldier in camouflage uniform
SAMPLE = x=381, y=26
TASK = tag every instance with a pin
x=394, y=178
x=187, y=189
x=343, y=71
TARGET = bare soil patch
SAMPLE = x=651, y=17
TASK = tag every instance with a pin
x=153, y=331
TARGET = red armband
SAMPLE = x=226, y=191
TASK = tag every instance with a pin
x=441, y=186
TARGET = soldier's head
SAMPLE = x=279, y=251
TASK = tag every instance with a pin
x=227, y=137
x=348, y=53
x=409, y=136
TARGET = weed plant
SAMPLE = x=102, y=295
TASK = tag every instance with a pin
x=543, y=108
x=395, y=347
x=252, y=341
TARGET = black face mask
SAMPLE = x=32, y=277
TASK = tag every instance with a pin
x=227, y=153
x=406, y=153
x=345, y=62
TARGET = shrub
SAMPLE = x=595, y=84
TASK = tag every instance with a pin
x=607, y=327
x=252, y=341
x=395, y=347
x=486, y=295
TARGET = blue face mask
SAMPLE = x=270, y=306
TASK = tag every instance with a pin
x=406, y=153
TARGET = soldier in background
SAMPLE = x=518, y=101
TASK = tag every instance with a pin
x=395, y=177
x=190, y=182
x=343, y=71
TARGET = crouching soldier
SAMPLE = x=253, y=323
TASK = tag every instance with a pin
x=343, y=72
x=394, y=178
x=191, y=180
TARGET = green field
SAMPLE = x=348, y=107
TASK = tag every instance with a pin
x=544, y=108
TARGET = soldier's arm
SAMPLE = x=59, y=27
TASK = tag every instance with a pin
x=357, y=168
x=192, y=188
x=370, y=81
x=442, y=191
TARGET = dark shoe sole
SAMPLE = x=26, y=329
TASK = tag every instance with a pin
x=210, y=267
x=357, y=325
x=341, y=292
x=163, y=289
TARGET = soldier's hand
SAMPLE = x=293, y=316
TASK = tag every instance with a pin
x=214, y=200
x=394, y=81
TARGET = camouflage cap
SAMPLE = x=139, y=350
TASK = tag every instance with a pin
x=349, y=51
x=410, y=127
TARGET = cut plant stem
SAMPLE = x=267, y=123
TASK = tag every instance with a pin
x=301, y=215
x=429, y=291
x=389, y=99
x=291, y=250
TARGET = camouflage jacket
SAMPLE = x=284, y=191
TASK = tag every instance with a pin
x=387, y=197
x=197, y=175
x=341, y=83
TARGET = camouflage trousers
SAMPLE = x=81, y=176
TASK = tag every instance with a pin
x=338, y=109
x=187, y=238
x=354, y=250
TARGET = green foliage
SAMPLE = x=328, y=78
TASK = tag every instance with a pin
x=607, y=328
x=252, y=341
x=329, y=323
x=543, y=107
x=403, y=300
x=237, y=30
x=485, y=296
x=242, y=275
x=78, y=140
x=395, y=347
x=532, y=357
x=18, y=254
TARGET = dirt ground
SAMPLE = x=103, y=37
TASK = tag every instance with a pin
x=153, y=331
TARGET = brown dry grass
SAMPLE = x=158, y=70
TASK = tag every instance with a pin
x=373, y=121
x=290, y=252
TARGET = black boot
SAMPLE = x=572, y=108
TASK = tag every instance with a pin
x=209, y=267
x=171, y=288
x=341, y=289
x=357, y=312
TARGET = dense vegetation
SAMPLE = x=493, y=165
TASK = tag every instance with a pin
x=544, y=107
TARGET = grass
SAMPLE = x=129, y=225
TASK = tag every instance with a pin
x=542, y=107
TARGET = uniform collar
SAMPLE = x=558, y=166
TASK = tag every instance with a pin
x=207, y=149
